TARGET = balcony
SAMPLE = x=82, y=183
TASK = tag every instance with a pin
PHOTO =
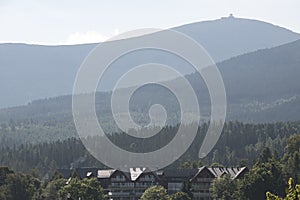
x=122, y=185
x=122, y=179
x=147, y=179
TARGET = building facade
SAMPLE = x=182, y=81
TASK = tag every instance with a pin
x=131, y=185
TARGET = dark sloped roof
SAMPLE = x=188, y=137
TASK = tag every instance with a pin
x=66, y=173
x=83, y=172
x=179, y=173
x=201, y=169
x=135, y=173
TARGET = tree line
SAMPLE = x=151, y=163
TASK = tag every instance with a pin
x=265, y=180
x=267, y=176
x=239, y=145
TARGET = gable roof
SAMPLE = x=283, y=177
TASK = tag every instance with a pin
x=65, y=173
x=105, y=173
x=233, y=172
x=135, y=173
x=83, y=172
x=178, y=174
x=200, y=170
x=241, y=172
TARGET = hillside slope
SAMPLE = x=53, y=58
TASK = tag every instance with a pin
x=262, y=86
x=29, y=72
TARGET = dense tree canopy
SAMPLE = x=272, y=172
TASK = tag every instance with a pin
x=239, y=145
x=224, y=188
x=291, y=192
x=180, y=196
x=269, y=174
x=271, y=151
x=87, y=189
x=155, y=193
x=19, y=186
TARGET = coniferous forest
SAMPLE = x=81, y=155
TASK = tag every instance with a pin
x=271, y=151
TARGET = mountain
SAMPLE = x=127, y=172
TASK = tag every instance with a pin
x=229, y=36
x=30, y=72
x=261, y=86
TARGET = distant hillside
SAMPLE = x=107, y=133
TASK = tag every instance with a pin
x=262, y=86
x=29, y=72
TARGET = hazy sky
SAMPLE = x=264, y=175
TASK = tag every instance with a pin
x=74, y=21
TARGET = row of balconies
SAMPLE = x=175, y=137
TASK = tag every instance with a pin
x=200, y=187
x=204, y=179
x=123, y=179
x=118, y=179
x=124, y=194
x=131, y=185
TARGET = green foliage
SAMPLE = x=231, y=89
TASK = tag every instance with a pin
x=191, y=164
x=20, y=187
x=160, y=193
x=265, y=156
x=45, y=158
x=187, y=189
x=268, y=174
x=56, y=175
x=215, y=164
x=87, y=189
x=291, y=158
x=293, y=144
x=4, y=171
x=224, y=188
x=50, y=192
x=291, y=193
x=263, y=177
x=239, y=144
x=155, y=193
x=180, y=196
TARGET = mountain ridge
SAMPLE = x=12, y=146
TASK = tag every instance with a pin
x=272, y=72
x=37, y=71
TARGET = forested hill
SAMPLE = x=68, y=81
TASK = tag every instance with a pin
x=239, y=144
x=34, y=72
x=262, y=86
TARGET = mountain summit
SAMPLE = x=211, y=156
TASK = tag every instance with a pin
x=230, y=36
